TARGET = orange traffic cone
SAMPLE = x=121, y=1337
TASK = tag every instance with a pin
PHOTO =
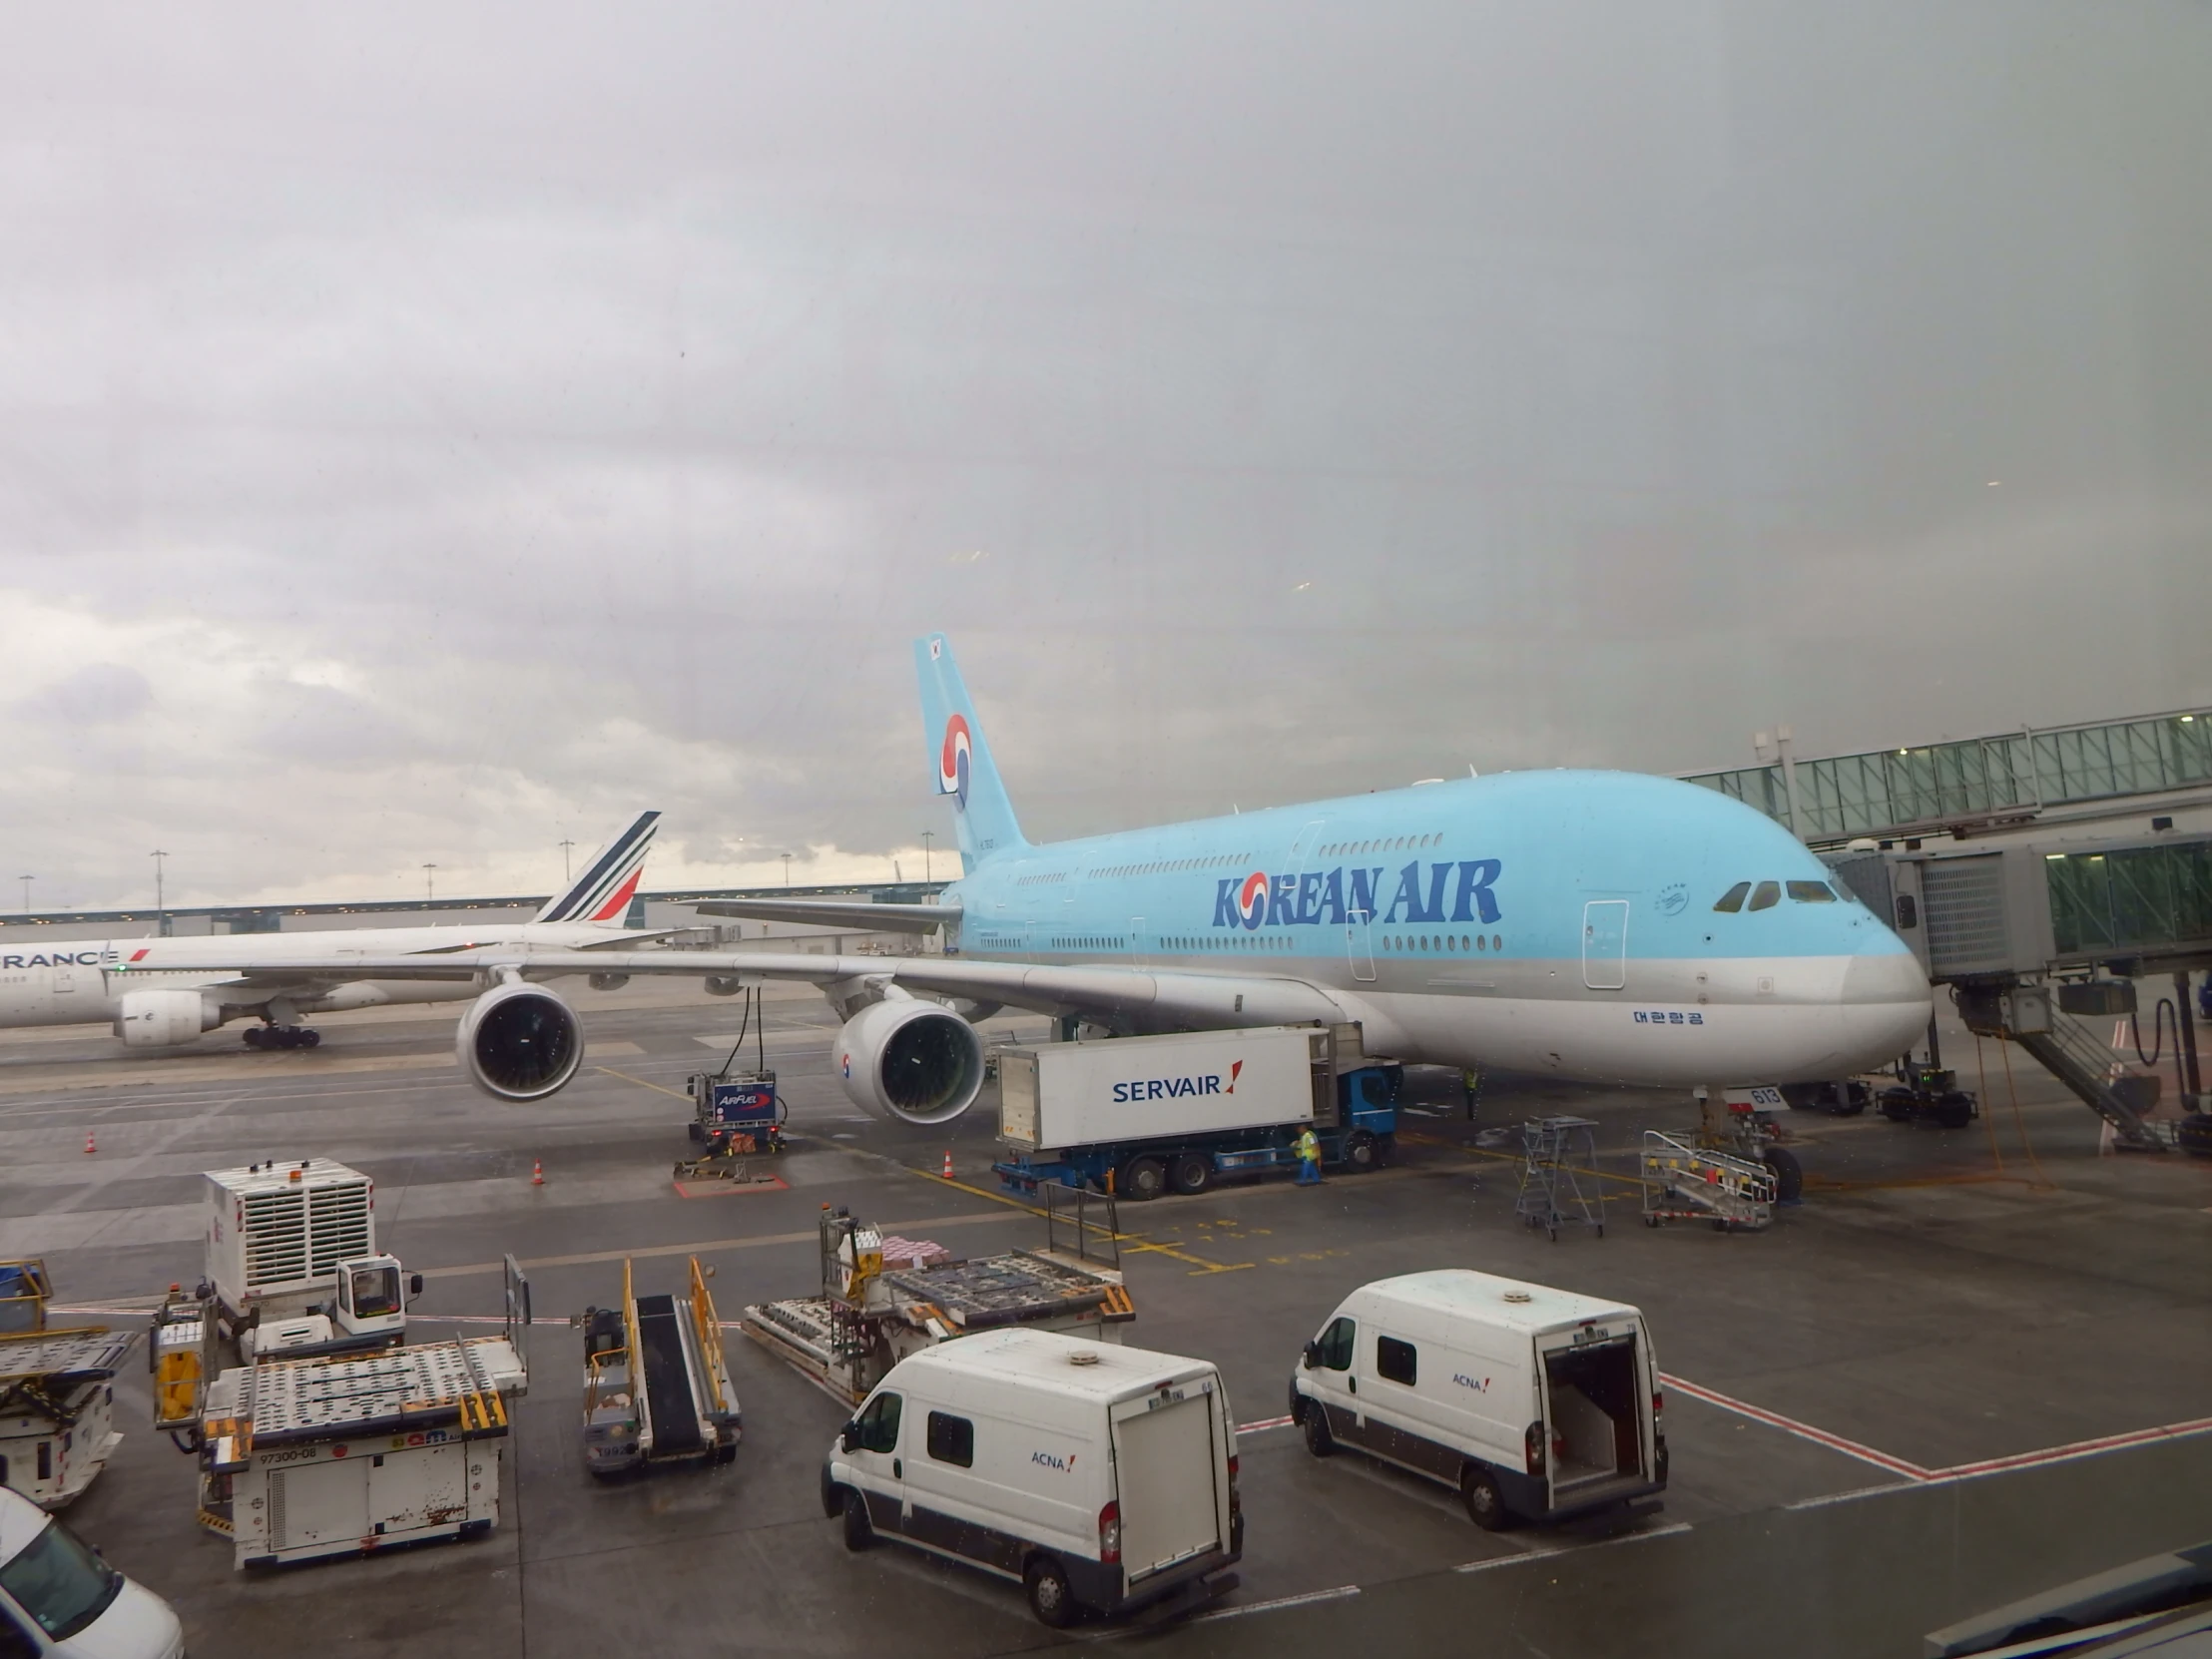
x=91, y=1146
x=537, y=1173
x=948, y=1163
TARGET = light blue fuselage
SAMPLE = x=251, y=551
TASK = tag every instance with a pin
x=1558, y=921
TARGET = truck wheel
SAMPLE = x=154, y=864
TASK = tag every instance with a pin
x=1191, y=1174
x=1359, y=1153
x=1319, y=1441
x=1954, y=1111
x=1485, y=1504
x=1143, y=1179
x=1050, y=1596
x=858, y=1534
x=1789, y=1174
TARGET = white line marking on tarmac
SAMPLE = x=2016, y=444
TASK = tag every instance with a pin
x=1338, y=1594
x=1803, y=1430
x=1537, y=1552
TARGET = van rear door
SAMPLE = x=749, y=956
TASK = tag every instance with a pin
x=1169, y=1460
x=1595, y=1406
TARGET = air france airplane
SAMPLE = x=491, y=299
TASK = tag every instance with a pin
x=1598, y=926
x=163, y=994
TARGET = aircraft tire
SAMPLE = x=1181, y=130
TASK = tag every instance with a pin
x=1789, y=1174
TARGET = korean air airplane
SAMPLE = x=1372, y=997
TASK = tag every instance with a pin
x=1599, y=925
x=163, y=994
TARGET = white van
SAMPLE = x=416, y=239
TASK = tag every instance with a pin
x=1094, y=1475
x=59, y=1598
x=1535, y=1403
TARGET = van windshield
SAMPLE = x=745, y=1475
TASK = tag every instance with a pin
x=60, y=1583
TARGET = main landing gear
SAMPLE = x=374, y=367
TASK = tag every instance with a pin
x=281, y=1037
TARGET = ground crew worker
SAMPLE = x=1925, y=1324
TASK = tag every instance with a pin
x=1307, y=1148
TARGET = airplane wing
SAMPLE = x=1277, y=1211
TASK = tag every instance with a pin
x=834, y=912
x=1199, y=999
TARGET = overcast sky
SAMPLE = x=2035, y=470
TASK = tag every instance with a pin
x=428, y=433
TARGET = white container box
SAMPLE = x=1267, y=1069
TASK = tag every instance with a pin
x=1058, y=1095
x=277, y=1232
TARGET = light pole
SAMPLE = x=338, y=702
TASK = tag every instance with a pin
x=429, y=885
x=26, y=881
x=566, y=844
x=927, y=836
x=786, y=878
x=161, y=904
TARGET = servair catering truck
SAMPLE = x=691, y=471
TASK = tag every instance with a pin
x=1141, y=1116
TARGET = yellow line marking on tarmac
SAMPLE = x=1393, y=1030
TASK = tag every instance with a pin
x=1132, y=1242
x=674, y=1094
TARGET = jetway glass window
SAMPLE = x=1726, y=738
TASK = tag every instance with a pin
x=2138, y=897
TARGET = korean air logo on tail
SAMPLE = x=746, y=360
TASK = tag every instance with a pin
x=1252, y=899
x=952, y=761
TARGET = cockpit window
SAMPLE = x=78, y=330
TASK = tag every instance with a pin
x=1811, y=892
x=1766, y=895
x=1733, y=899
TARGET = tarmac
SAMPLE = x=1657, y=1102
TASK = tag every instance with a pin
x=1971, y=1364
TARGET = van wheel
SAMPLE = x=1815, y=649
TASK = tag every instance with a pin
x=1319, y=1441
x=858, y=1534
x=1485, y=1504
x=1050, y=1596
x=1191, y=1174
x=1359, y=1153
x=1143, y=1179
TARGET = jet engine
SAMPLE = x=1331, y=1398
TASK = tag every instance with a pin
x=519, y=1041
x=914, y=1060
x=162, y=1019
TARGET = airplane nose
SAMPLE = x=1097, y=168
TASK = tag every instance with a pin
x=1887, y=1003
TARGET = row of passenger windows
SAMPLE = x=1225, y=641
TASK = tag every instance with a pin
x=1040, y=881
x=947, y=1438
x=1401, y=844
x=1167, y=866
x=1765, y=896
x=1443, y=941
x=1084, y=942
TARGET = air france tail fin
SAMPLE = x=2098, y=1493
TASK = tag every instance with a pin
x=609, y=880
x=959, y=759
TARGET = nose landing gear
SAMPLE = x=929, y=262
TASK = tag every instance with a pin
x=281, y=1037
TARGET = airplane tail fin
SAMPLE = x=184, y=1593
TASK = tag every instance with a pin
x=602, y=892
x=959, y=759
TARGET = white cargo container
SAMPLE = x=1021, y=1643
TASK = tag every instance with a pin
x=1059, y=1095
x=277, y=1232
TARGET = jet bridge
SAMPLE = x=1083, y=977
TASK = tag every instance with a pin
x=2043, y=931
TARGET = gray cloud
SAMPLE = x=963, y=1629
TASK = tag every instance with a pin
x=472, y=424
